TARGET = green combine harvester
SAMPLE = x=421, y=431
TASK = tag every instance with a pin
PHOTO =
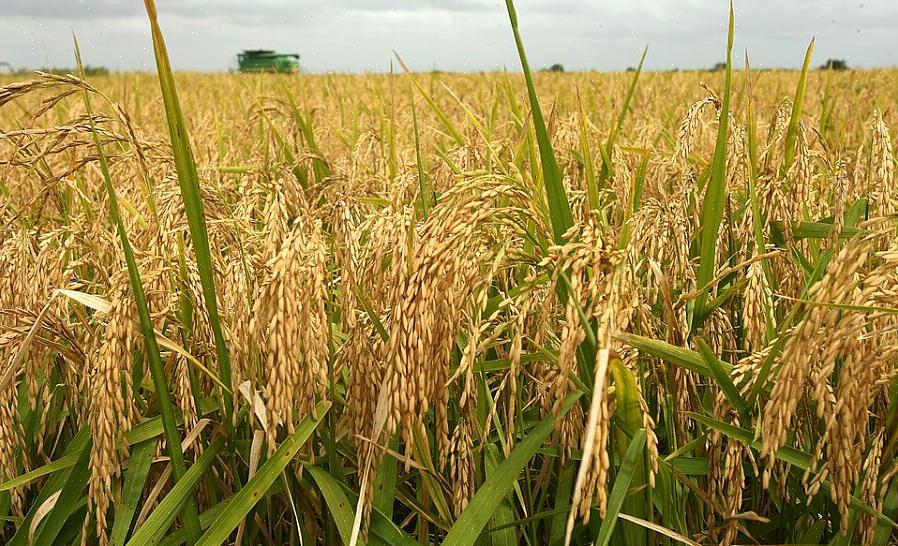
x=266, y=60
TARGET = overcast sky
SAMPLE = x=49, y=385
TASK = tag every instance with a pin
x=359, y=35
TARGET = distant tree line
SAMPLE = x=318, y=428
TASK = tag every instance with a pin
x=830, y=64
x=557, y=67
x=88, y=70
x=834, y=64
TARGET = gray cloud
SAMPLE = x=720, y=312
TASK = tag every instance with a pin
x=70, y=9
x=359, y=35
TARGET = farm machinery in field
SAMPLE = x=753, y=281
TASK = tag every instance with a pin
x=266, y=60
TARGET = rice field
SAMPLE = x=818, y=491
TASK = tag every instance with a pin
x=638, y=308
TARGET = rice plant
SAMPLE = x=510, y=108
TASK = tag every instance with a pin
x=423, y=308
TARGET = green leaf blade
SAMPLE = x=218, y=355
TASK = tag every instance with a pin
x=475, y=516
x=244, y=500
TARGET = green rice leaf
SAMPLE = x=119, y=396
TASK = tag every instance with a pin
x=79, y=446
x=71, y=497
x=444, y=119
x=423, y=183
x=503, y=533
x=715, y=199
x=473, y=519
x=559, y=207
x=677, y=356
x=242, y=502
x=631, y=461
x=340, y=509
x=797, y=105
x=66, y=461
x=160, y=519
x=607, y=164
x=132, y=491
x=724, y=381
x=193, y=201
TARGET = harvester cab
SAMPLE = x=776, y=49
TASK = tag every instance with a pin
x=266, y=60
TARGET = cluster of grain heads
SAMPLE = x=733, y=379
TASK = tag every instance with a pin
x=839, y=356
x=291, y=326
x=586, y=265
x=109, y=414
x=881, y=183
x=445, y=265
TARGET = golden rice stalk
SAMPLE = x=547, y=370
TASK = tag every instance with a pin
x=726, y=458
x=720, y=334
x=461, y=466
x=661, y=234
x=587, y=261
x=237, y=306
x=572, y=335
x=429, y=292
x=514, y=358
x=276, y=220
x=108, y=413
x=603, y=298
x=361, y=354
x=758, y=297
x=182, y=391
x=881, y=185
x=800, y=183
x=870, y=489
x=689, y=127
x=840, y=196
x=346, y=251
x=774, y=149
x=289, y=315
x=592, y=476
x=369, y=257
x=798, y=358
x=10, y=441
